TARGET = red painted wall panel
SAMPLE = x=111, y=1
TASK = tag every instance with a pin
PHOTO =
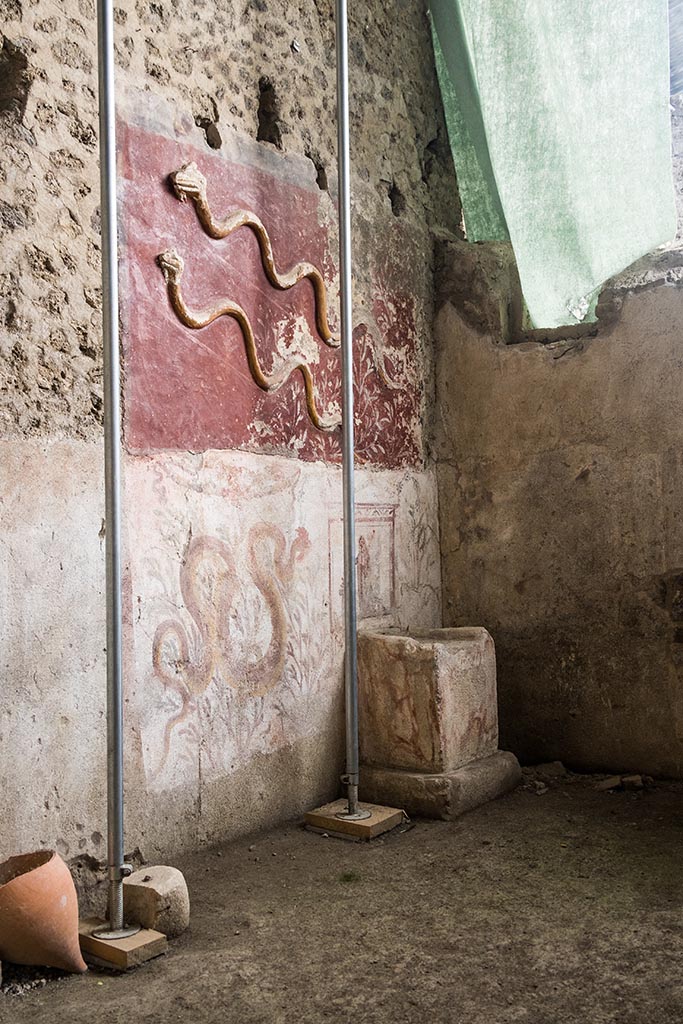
x=192, y=390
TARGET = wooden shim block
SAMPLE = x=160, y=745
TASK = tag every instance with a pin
x=381, y=819
x=330, y=833
x=120, y=953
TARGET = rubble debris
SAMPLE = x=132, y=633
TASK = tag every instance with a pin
x=611, y=782
x=18, y=979
x=632, y=781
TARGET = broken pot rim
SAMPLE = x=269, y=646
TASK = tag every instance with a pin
x=26, y=862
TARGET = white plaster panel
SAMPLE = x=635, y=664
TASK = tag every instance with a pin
x=259, y=606
x=52, y=638
x=236, y=605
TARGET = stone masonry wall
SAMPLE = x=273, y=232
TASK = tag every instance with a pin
x=232, y=577
x=263, y=68
x=561, y=483
x=560, y=487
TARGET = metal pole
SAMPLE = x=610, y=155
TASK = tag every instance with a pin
x=349, y=497
x=112, y=472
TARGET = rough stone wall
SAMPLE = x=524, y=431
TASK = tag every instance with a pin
x=261, y=67
x=560, y=494
x=262, y=72
x=561, y=485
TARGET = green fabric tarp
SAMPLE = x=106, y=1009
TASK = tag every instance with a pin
x=558, y=118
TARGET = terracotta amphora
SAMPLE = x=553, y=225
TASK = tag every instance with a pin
x=39, y=912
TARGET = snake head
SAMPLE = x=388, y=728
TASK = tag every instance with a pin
x=172, y=266
x=189, y=183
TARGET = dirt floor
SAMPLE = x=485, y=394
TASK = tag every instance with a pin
x=551, y=906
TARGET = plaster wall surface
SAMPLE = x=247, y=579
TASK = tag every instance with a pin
x=561, y=487
x=52, y=657
x=232, y=502
x=248, y=728
x=240, y=557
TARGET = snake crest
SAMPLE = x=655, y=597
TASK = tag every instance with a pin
x=209, y=584
x=189, y=183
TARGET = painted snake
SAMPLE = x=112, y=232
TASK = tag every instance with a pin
x=190, y=183
x=208, y=583
x=172, y=266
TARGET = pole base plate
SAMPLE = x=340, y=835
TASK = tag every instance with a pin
x=116, y=933
x=118, y=953
x=333, y=819
x=359, y=815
